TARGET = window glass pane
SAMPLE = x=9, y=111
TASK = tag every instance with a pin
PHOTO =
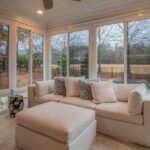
x=59, y=55
x=139, y=51
x=37, y=56
x=22, y=57
x=4, y=36
x=78, y=53
x=110, y=46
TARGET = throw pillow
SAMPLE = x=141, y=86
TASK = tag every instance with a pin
x=103, y=92
x=44, y=87
x=85, y=90
x=59, y=86
x=135, y=101
x=72, y=86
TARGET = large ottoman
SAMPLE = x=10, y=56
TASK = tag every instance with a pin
x=55, y=126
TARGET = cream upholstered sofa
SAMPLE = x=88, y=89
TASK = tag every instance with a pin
x=112, y=118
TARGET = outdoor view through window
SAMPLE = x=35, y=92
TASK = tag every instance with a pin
x=78, y=53
x=59, y=55
x=110, y=50
x=37, y=57
x=139, y=51
x=22, y=57
x=4, y=36
x=69, y=54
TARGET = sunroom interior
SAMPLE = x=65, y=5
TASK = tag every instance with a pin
x=99, y=40
x=95, y=39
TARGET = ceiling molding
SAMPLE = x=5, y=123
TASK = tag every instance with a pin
x=91, y=12
x=26, y=20
x=97, y=15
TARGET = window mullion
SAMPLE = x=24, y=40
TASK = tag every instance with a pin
x=30, y=60
x=125, y=51
x=67, y=54
x=92, y=53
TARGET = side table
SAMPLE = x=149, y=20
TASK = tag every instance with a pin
x=16, y=104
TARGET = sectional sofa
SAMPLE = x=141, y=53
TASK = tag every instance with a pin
x=113, y=119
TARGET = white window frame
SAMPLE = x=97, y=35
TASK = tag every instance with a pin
x=49, y=53
x=91, y=26
x=13, y=24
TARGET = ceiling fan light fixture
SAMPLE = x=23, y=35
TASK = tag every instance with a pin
x=48, y=4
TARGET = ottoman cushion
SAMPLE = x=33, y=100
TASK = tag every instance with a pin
x=59, y=121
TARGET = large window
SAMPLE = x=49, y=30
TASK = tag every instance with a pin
x=37, y=56
x=59, y=55
x=110, y=50
x=139, y=51
x=22, y=57
x=69, y=54
x=78, y=53
x=4, y=36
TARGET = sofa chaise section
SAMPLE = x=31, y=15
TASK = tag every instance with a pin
x=118, y=123
x=55, y=126
x=118, y=111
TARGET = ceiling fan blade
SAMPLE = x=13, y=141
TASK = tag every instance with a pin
x=48, y=4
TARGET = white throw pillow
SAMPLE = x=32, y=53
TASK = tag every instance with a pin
x=123, y=91
x=103, y=92
x=44, y=87
x=72, y=86
x=135, y=101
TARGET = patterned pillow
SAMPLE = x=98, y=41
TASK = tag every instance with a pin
x=60, y=88
x=103, y=92
x=85, y=90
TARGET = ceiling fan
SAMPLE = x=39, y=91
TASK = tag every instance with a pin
x=48, y=4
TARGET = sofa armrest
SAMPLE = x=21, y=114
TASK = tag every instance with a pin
x=31, y=95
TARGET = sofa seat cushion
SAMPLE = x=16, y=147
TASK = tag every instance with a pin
x=77, y=101
x=48, y=98
x=118, y=111
x=56, y=120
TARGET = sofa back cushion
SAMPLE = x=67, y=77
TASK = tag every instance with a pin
x=122, y=91
x=44, y=87
x=135, y=100
x=59, y=86
x=72, y=86
x=103, y=92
